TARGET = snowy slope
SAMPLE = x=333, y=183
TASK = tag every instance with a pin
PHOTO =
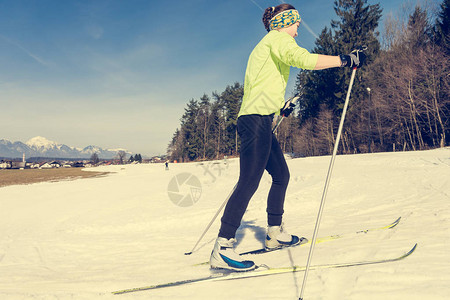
x=83, y=239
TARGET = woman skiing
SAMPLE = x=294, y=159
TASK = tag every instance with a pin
x=266, y=77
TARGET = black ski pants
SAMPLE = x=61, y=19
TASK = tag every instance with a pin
x=259, y=151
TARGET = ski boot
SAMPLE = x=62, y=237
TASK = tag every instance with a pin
x=277, y=238
x=223, y=256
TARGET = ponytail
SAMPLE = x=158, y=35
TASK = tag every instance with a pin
x=268, y=15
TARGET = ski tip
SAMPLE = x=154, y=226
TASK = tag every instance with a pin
x=393, y=224
x=409, y=252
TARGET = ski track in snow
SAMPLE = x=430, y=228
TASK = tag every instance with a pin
x=84, y=239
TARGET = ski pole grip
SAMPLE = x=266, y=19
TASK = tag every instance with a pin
x=295, y=98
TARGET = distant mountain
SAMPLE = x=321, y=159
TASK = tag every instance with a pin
x=42, y=147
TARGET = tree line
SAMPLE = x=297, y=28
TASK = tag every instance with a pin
x=208, y=127
x=400, y=99
x=120, y=156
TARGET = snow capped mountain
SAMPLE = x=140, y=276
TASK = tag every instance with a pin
x=16, y=149
x=40, y=142
x=49, y=148
x=102, y=153
x=42, y=147
x=91, y=150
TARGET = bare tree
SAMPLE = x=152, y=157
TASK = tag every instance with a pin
x=94, y=158
x=121, y=156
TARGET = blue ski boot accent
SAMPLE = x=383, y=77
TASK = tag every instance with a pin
x=223, y=256
x=278, y=238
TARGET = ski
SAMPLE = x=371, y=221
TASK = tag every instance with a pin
x=327, y=238
x=263, y=271
x=303, y=241
x=319, y=240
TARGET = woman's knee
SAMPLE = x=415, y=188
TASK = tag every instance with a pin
x=286, y=176
x=281, y=177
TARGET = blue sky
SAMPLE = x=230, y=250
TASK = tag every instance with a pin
x=119, y=73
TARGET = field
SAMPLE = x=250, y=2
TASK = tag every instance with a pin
x=29, y=176
x=84, y=239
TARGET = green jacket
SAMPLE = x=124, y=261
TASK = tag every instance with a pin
x=268, y=72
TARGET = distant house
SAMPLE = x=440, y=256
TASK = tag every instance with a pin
x=78, y=164
x=157, y=159
x=34, y=166
x=50, y=165
x=45, y=165
x=18, y=165
x=55, y=164
x=5, y=164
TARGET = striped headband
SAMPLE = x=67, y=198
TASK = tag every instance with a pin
x=284, y=19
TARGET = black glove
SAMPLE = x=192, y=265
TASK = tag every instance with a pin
x=287, y=108
x=355, y=59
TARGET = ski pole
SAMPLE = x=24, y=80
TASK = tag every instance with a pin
x=327, y=182
x=293, y=100
x=212, y=221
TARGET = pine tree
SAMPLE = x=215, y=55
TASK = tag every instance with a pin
x=203, y=125
x=326, y=89
x=192, y=144
x=231, y=100
x=442, y=27
x=217, y=127
x=418, y=30
x=175, y=148
x=318, y=87
x=356, y=27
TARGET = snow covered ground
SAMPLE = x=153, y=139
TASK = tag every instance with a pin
x=84, y=239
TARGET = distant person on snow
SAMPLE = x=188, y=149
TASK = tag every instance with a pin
x=167, y=165
x=264, y=89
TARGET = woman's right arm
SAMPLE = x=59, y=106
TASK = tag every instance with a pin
x=327, y=61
